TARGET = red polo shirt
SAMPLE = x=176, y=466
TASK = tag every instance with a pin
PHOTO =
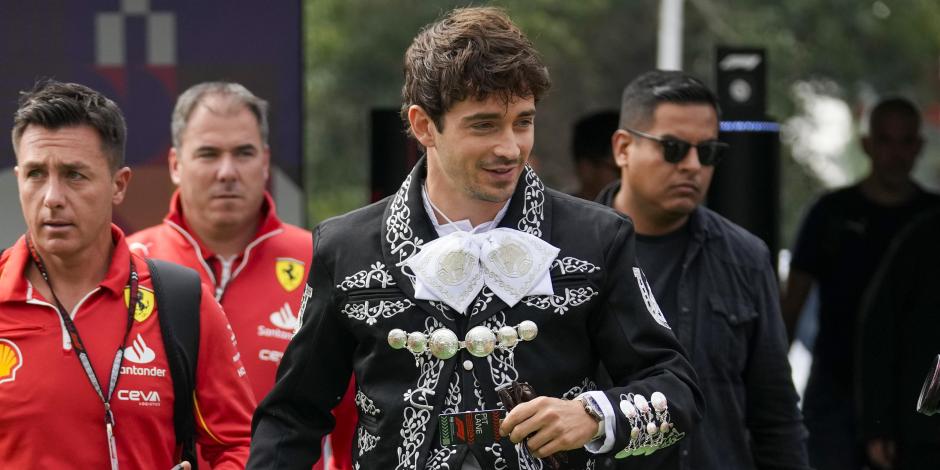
x=52, y=417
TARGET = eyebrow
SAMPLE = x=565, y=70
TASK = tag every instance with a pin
x=74, y=166
x=486, y=116
x=244, y=147
x=668, y=136
x=215, y=148
x=62, y=166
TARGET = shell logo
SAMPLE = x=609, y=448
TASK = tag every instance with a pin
x=11, y=359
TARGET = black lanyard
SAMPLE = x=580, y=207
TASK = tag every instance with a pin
x=82, y=352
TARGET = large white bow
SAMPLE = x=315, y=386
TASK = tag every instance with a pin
x=454, y=268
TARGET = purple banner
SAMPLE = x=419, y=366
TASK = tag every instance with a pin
x=141, y=54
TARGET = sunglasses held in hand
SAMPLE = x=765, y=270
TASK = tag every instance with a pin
x=675, y=150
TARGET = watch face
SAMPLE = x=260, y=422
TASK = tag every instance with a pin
x=591, y=407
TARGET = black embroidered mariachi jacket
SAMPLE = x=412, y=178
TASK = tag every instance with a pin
x=357, y=291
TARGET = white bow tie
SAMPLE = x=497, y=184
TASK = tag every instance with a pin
x=454, y=268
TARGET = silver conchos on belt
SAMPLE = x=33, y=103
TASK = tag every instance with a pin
x=480, y=340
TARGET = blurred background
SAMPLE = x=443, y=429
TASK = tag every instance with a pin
x=327, y=66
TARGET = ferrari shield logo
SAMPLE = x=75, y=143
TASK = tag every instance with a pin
x=290, y=273
x=144, y=303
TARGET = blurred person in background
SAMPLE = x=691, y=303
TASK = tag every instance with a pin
x=590, y=147
x=839, y=247
x=899, y=339
x=222, y=223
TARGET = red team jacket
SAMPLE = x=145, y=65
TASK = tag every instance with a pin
x=52, y=417
x=260, y=291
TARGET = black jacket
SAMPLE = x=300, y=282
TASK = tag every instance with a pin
x=900, y=337
x=359, y=291
x=729, y=321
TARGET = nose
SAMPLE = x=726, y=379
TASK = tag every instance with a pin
x=228, y=170
x=509, y=144
x=691, y=161
x=54, y=197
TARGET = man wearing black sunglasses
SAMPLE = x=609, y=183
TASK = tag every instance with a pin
x=713, y=280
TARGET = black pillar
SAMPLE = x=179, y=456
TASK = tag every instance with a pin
x=746, y=184
x=392, y=153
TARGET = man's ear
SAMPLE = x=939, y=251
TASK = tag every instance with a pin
x=620, y=143
x=174, y=163
x=120, y=181
x=266, y=155
x=422, y=126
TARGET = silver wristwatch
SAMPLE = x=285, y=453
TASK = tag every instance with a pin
x=594, y=411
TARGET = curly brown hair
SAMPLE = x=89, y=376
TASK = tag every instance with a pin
x=470, y=53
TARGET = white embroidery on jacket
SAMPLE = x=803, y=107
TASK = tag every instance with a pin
x=366, y=405
x=366, y=440
x=561, y=304
x=570, y=265
x=399, y=234
x=371, y=310
x=308, y=292
x=649, y=299
x=586, y=385
x=533, y=204
x=502, y=360
x=374, y=277
x=482, y=301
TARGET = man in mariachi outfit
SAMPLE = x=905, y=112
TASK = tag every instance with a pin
x=85, y=374
x=540, y=287
x=222, y=223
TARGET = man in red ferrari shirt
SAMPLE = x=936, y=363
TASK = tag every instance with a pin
x=223, y=224
x=84, y=376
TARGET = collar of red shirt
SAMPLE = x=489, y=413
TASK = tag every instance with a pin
x=270, y=222
x=13, y=283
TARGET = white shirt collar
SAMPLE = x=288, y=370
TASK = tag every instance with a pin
x=460, y=225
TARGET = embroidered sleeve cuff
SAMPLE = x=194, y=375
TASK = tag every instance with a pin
x=604, y=443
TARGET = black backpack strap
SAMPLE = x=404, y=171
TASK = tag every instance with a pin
x=178, y=294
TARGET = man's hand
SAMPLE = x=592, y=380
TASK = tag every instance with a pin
x=881, y=453
x=184, y=465
x=551, y=424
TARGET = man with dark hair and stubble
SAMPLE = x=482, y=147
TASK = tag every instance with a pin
x=86, y=378
x=471, y=279
x=713, y=279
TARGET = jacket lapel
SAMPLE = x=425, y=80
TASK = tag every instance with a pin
x=405, y=229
